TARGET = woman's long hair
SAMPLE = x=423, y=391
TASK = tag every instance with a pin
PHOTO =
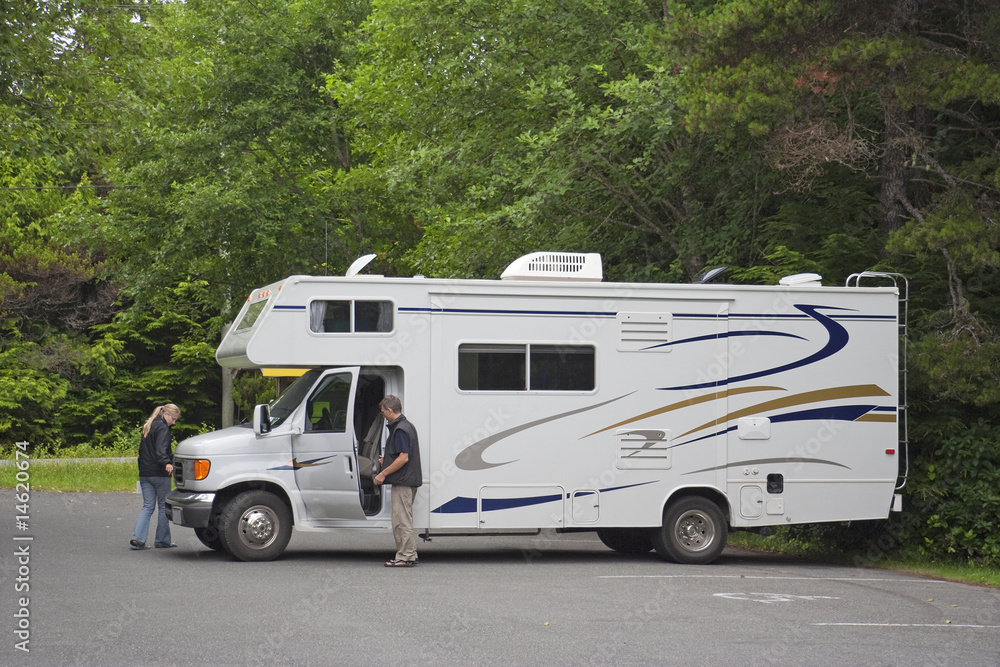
x=169, y=408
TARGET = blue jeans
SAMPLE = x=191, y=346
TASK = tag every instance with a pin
x=154, y=492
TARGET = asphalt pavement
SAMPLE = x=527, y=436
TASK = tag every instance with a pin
x=72, y=589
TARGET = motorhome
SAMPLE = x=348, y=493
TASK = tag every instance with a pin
x=660, y=416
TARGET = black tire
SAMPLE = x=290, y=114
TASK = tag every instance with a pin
x=209, y=536
x=694, y=531
x=255, y=526
x=633, y=542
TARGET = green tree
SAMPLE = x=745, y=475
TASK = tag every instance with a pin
x=231, y=152
x=888, y=86
x=534, y=124
x=57, y=85
x=166, y=354
x=906, y=95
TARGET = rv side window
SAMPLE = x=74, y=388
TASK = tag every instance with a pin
x=351, y=316
x=562, y=368
x=253, y=312
x=373, y=316
x=483, y=367
x=491, y=367
x=334, y=316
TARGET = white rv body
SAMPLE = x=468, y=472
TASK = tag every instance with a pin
x=570, y=405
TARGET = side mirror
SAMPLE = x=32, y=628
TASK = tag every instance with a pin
x=261, y=419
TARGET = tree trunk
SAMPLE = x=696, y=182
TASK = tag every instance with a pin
x=898, y=129
x=893, y=169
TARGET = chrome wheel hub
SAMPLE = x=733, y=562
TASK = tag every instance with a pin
x=695, y=531
x=258, y=527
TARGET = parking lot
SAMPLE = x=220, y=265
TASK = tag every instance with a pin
x=538, y=600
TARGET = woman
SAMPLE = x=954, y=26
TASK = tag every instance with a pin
x=155, y=469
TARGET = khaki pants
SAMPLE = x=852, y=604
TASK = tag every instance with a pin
x=402, y=522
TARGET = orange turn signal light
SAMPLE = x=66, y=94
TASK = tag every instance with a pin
x=201, y=467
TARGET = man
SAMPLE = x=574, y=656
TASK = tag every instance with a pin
x=401, y=469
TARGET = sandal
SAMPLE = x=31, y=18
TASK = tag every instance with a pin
x=166, y=546
x=399, y=563
x=136, y=545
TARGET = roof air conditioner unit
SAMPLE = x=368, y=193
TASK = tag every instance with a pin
x=574, y=266
x=802, y=280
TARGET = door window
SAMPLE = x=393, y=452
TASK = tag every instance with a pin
x=326, y=409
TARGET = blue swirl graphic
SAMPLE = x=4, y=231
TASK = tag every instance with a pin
x=838, y=340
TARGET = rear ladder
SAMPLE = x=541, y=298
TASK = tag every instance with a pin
x=854, y=280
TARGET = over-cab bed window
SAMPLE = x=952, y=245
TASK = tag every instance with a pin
x=250, y=317
x=350, y=316
x=499, y=367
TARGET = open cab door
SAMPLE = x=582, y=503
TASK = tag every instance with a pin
x=324, y=448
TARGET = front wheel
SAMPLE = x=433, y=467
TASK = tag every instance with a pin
x=694, y=531
x=255, y=526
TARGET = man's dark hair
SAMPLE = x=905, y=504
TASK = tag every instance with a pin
x=391, y=403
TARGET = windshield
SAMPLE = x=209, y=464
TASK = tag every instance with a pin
x=288, y=401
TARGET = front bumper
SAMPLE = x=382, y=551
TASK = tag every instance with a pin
x=190, y=509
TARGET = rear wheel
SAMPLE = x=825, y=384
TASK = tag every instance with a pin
x=626, y=541
x=255, y=526
x=694, y=531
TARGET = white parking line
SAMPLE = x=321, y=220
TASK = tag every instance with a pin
x=751, y=576
x=768, y=598
x=911, y=625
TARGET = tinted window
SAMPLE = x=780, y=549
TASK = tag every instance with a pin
x=484, y=367
x=562, y=368
x=373, y=316
x=491, y=367
x=351, y=316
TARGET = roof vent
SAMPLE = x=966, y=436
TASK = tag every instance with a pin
x=359, y=263
x=556, y=266
x=710, y=275
x=802, y=280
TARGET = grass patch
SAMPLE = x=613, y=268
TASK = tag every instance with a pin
x=53, y=470
x=777, y=543
x=96, y=476
x=966, y=573
x=125, y=445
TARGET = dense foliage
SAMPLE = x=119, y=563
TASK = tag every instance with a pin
x=161, y=159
